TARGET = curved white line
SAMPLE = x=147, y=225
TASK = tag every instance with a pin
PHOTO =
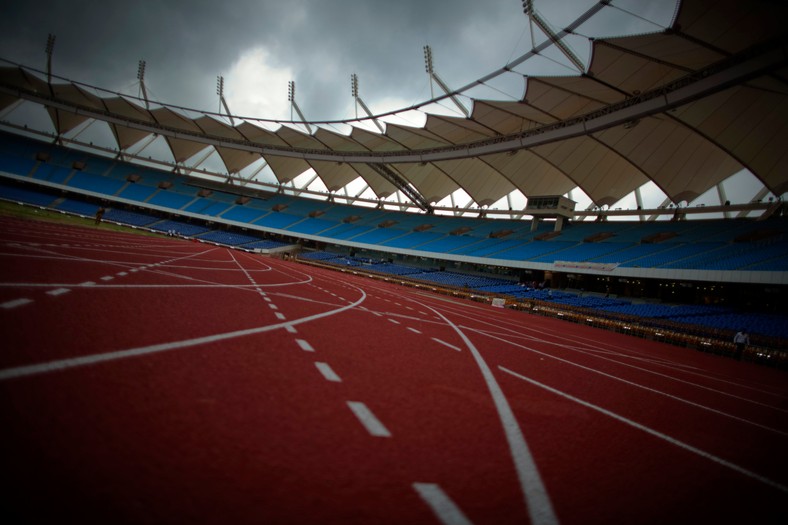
x=651, y=431
x=537, y=501
x=63, y=364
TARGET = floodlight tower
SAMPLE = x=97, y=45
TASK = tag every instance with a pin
x=434, y=76
x=141, y=78
x=49, y=49
x=535, y=18
x=222, y=101
x=294, y=105
x=357, y=98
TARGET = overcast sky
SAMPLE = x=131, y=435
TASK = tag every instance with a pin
x=260, y=45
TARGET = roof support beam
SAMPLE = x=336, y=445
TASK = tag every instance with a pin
x=49, y=50
x=441, y=84
x=294, y=105
x=403, y=185
x=723, y=198
x=222, y=101
x=535, y=18
x=699, y=84
x=359, y=102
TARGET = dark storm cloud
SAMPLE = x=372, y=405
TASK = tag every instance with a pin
x=187, y=43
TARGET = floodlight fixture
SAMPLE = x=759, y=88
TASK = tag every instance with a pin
x=434, y=77
x=354, y=85
x=220, y=86
x=50, y=44
x=360, y=102
x=49, y=49
x=141, y=77
x=294, y=106
x=428, y=59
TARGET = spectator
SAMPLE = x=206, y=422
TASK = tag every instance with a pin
x=741, y=339
x=99, y=215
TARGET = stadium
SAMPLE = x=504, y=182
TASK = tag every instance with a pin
x=522, y=310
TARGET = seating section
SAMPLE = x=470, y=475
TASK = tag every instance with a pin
x=714, y=317
x=730, y=245
x=180, y=228
x=132, y=218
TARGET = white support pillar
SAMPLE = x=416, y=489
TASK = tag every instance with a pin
x=639, y=202
x=655, y=216
x=758, y=196
x=723, y=199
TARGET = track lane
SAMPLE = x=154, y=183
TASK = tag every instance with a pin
x=254, y=420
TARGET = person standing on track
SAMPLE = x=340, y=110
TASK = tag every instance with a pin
x=741, y=339
x=99, y=215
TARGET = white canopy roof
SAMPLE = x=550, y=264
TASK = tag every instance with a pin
x=607, y=131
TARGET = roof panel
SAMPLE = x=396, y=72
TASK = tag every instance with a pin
x=482, y=182
x=298, y=139
x=374, y=141
x=748, y=124
x=585, y=160
x=533, y=175
x=65, y=120
x=335, y=175
x=414, y=138
x=457, y=130
x=628, y=71
x=259, y=135
x=428, y=179
x=124, y=135
x=732, y=25
x=286, y=169
x=378, y=184
x=684, y=151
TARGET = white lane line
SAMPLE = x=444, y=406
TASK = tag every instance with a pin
x=64, y=364
x=16, y=302
x=393, y=321
x=644, y=387
x=328, y=372
x=415, y=331
x=121, y=274
x=291, y=329
x=279, y=316
x=58, y=291
x=305, y=346
x=651, y=431
x=273, y=306
x=368, y=419
x=266, y=299
x=537, y=501
x=442, y=505
x=444, y=343
x=107, y=278
x=87, y=283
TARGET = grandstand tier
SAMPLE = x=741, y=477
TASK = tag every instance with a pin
x=607, y=257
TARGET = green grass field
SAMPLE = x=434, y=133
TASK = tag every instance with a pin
x=12, y=209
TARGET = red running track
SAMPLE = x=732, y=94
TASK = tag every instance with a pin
x=154, y=380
